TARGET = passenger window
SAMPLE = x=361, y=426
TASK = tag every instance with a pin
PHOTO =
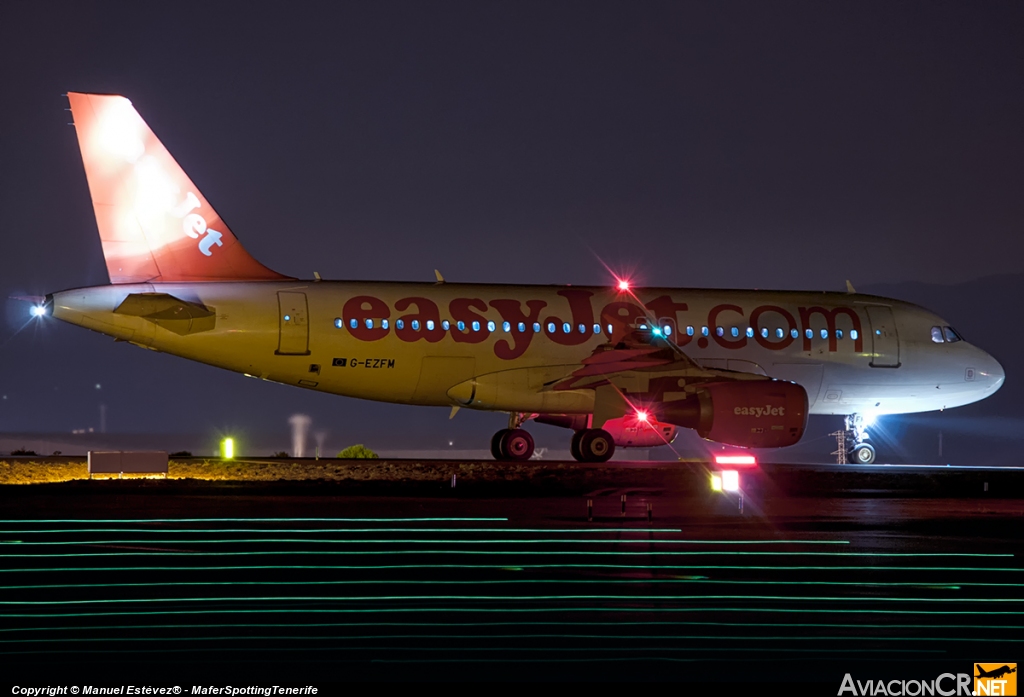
x=703, y=331
x=824, y=333
x=400, y=324
x=839, y=333
x=668, y=330
x=522, y=327
x=490, y=326
x=551, y=327
x=854, y=334
x=720, y=331
x=809, y=334
x=338, y=323
x=446, y=325
x=582, y=328
x=476, y=326
x=597, y=328
x=951, y=335
x=779, y=333
x=461, y=325
x=735, y=332
x=610, y=329
x=937, y=335
x=415, y=325
x=566, y=328
x=384, y=324
x=353, y=323
x=430, y=325
x=536, y=327
x=764, y=332
x=794, y=333
x=689, y=331
x=369, y=324
x=750, y=332
x=506, y=326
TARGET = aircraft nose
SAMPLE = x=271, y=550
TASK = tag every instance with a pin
x=991, y=373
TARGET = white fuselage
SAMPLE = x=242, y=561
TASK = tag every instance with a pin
x=852, y=353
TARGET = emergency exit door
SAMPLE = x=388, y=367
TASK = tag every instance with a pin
x=885, y=342
x=294, y=322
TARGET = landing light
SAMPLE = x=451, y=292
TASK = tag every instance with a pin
x=227, y=448
x=736, y=460
x=730, y=480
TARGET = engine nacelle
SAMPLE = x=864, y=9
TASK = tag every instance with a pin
x=749, y=414
x=628, y=431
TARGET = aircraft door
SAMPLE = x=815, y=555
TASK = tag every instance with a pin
x=293, y=316
x=885, y=341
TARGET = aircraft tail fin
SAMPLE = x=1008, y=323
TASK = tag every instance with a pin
x=154, y=224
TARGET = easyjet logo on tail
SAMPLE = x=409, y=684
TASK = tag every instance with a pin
x=758, y=412
x=194, y=225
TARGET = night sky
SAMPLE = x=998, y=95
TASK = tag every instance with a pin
x=733, y=144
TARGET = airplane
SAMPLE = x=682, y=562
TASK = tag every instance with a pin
x=995, y=672
x=620, y=366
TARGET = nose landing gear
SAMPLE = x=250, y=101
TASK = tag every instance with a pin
x=860, y=453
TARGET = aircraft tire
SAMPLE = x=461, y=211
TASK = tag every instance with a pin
x=496, y=444
x=596, y=445
x=863, y=454
x=516, y=444
x=574, y=446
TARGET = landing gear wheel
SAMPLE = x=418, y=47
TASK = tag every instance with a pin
x=574, y=446
x=863, y=454
x=496, y=444
x=596, y=445
x=516, y=444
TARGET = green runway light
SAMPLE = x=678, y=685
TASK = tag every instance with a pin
x=513, y=611
x=503, y=567
x=513, y=649
x=476, y=552
x=412, y=541
x=252, y=520
x=505, y=598
x=449, y=625
x=307, y=531
x=483, y=582
x=372, y=637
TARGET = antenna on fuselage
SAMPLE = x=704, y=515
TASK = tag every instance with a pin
x=849, y=288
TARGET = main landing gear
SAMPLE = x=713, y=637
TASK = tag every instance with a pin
x=861, y=453
x=512, y=443
x=592, y=445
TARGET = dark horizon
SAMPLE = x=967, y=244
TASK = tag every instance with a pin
x=792, y=146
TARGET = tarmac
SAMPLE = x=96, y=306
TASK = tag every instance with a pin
x=805, y=574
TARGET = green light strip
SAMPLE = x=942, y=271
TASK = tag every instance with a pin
x=519, y=650
x=654, y=637
x=172, y=553
x=251, y=520
x=435, y=625
x=378, y=530
x=507, y=598
x=411, y=541
x=538, y=610
x=634, y=581
x=506, y=567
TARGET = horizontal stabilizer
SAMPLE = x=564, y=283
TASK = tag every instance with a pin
x=171, y=313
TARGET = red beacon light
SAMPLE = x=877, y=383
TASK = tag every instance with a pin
x=642, y=416
x=623, y=285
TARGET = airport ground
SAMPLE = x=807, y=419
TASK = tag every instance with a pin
x=881, y=572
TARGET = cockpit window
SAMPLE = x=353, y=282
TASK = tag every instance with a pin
x=937, y=335
x=951, y=334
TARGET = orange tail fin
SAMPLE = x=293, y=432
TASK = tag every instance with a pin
x=154, y=223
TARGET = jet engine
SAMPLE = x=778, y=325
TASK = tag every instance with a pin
x=630, y=431
x=749, y=414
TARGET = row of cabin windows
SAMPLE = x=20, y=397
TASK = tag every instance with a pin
x=945, y=335
x=583, y=329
